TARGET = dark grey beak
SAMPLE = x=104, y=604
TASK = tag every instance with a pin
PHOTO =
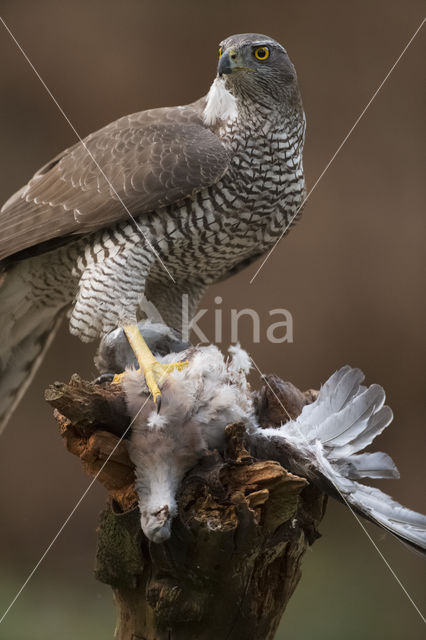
x=226, y=64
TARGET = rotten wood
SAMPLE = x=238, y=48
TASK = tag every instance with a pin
x=234, y=557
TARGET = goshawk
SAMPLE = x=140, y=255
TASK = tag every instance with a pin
x=155, y=205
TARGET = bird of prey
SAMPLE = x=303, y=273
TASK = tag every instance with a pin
x=157, y=204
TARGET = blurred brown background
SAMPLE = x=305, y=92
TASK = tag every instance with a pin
x=351, y=273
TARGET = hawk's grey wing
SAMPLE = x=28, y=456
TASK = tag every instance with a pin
x=147, y=160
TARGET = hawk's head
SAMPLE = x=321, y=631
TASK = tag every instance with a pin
x=257, y=67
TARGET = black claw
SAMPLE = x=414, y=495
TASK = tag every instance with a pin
x=158, y=403
x=105, y=377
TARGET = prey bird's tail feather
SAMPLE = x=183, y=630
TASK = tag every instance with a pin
x=324, y=444
x=25, y=335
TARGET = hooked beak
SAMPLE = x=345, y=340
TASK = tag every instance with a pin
x=228, y=63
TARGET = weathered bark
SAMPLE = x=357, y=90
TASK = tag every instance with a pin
x=233, y=560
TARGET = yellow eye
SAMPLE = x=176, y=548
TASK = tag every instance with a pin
x=261, y=53
x=220, y=51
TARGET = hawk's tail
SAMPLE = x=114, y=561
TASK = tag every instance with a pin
x=25, y=335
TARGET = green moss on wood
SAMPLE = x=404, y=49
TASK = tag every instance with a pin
x=119, y=558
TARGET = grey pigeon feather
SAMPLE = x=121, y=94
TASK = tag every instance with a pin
x=368, y=465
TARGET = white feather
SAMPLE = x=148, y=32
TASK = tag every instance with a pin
x=221, y=104
x=156, y=421
x=240, y=360
x=342, y=427
x=339, y=389
x=377, y=423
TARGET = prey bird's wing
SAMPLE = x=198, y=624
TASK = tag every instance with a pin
x=147, y=160
x=325, y=445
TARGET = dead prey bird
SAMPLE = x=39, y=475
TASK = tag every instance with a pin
x=324, y=444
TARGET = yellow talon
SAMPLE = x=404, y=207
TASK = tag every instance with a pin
x=118, y=378
x=154, y=371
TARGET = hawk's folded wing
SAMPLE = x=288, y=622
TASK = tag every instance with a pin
x=143, y=161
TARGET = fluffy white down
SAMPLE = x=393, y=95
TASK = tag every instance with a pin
x=197, y=404
x=221, y=104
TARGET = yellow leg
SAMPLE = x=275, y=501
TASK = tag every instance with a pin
x=154, y=371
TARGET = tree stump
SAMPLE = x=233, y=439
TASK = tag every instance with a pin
x=234, y=557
